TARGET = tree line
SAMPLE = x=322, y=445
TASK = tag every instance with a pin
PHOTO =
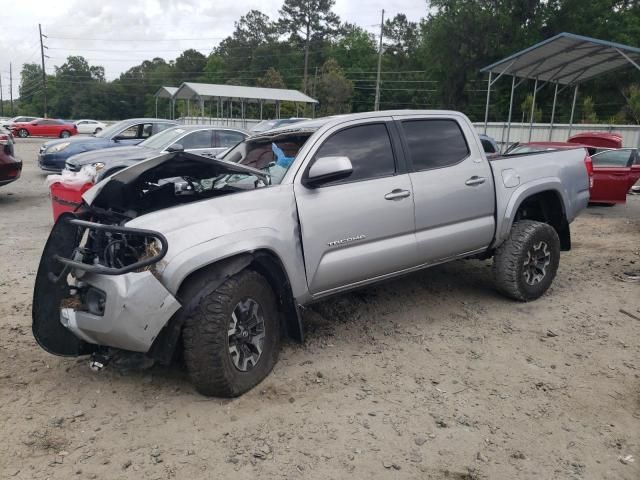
x=432, y=63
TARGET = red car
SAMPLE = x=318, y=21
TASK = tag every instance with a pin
x=597, y=139
x=44, y=127
x=615, y=169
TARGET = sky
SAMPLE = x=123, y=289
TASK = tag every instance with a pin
x=119, y=34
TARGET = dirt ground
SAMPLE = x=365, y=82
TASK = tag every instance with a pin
x=431, y=376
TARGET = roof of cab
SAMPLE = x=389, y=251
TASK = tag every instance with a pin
x=309, y=125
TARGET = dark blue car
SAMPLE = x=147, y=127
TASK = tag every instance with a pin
x=53, y=154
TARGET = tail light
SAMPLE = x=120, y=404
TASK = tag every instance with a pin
x=4, y=139
x=589, y=165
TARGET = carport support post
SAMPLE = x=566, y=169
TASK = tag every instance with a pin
x=173, y=109
x=156, y=106
x=513, y=87
x=486, y=108
x=533, y=107
x=201, y=108
x=260, y=109
x=573, y=109
x=553, y=111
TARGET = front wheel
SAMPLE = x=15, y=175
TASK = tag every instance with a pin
x=525, y=265
x=23, y=133
x=232, y=336
x=65, y=134
x=97, y=130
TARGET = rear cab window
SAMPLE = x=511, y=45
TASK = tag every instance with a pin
x=434, y=143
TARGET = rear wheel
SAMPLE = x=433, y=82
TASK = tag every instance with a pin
x=65, y=134
x=232, y=336
x=23, y=133
x=525, y=265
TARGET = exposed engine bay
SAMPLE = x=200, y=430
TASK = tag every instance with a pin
x=178, y=178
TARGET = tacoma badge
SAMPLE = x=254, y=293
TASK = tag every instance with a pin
x=346, y=240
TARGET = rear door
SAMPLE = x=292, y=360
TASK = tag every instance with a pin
x=612, y=175
x=453, y=186
x=362, y=227
x=50, y=128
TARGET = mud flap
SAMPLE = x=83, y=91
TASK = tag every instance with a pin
x=50, y=334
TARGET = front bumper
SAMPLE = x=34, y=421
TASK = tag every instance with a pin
x=136, y=307
x=132, y=307
x=51, y=162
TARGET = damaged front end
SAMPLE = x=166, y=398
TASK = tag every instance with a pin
x=96, y=286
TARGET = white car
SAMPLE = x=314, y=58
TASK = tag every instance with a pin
x=89, y=126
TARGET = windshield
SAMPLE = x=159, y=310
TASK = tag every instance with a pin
x=264, y=126
x=164, y=139
x=273, y=154
x=111, y=130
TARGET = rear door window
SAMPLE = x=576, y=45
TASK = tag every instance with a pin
x=199, y=139
x=367, y=146
x=613, y=158
x=434, y=143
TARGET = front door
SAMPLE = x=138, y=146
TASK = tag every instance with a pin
x=452, y=185
x=362, y=227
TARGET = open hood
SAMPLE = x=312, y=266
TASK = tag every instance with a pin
x=134, y=188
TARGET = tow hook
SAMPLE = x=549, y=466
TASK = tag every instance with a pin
x=99, y=361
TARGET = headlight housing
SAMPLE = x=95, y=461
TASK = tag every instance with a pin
x=98, y=166
x=58, y=147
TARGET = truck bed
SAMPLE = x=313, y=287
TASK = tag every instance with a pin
x=563, y=171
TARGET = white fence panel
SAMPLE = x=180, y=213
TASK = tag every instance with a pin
x=540, y=132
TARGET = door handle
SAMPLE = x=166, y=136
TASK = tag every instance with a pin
x=475, y=180
x=397, y=194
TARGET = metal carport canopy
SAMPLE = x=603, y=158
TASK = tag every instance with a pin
x=166, y=92
x=566, y=59
x=189, y=90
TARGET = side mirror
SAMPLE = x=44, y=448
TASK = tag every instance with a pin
x=176, y=147
x=327, y=169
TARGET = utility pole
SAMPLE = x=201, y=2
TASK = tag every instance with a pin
x=1, y=100
x=313, y=105
x=44, y=75
x=11, y=87
x=376, y=105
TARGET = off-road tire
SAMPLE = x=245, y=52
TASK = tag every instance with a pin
x=510, y=258
x=23, y=133
x=206, y=340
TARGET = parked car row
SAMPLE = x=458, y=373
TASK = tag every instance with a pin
x=24, y=126
x=53, y=154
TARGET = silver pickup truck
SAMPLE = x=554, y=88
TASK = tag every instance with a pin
x=217, y=257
